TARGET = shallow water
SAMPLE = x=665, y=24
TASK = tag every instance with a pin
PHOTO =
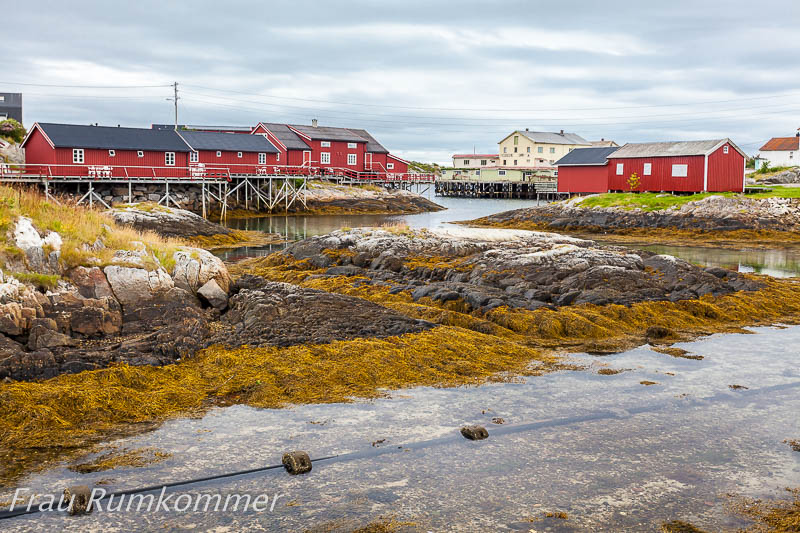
x=652, y=453
x=772, y=262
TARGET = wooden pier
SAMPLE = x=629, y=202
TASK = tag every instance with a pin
x=529, y=190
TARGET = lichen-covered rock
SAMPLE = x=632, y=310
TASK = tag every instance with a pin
x=194, y=267
x=91, y=282
x=214, y=295
x=134, y=285
x=167, y=221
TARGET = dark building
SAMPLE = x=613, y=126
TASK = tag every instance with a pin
x=11, y=106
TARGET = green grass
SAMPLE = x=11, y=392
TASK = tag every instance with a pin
x=41, y=281
x=651, y=201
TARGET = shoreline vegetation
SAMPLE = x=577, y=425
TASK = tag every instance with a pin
x=406, y=277
x=765, y=219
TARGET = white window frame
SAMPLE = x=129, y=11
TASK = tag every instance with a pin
x=219, y=153
x=325, y=144
x=352, y=145
x=725, y=149
x=620, y=169
x=78, y=156
x=112, y=153
x=552, y=149
x=680, y=171
x=466, y=162
x=648, y=169
x=278, y=157
x=477, y=172
x=352, y=159
x=505, y=149
x=325, y=158
x=139, y=153
x=169, y=159
x=540, y=149
x=501, y=172
x=389, y=166
x=239, y=155
x=262, y=158
x=194, y=156
x=483, y=162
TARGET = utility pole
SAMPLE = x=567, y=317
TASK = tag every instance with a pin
x=175, y=99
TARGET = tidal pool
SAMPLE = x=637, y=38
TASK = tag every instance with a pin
x=640, y=455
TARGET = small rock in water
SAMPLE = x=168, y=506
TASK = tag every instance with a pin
x=297, y=462
x=78, y=497
x=474, y=432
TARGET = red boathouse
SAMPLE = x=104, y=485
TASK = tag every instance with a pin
x=584, y=170
x=686, y=166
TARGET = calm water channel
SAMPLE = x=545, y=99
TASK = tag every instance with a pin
x=612, y=453
x=773, y=262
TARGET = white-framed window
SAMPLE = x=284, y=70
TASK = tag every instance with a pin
x=351, y=159
x=505, y=161
x=680, y=171
x=505, y=149
x=648, y=169
x=239, y=155
x=620, y=169
x=540, y=149
x=112, y=153
x=194, y=157
x=325, y=158
x=483, y=162
x=515, y=162
x=552, y=150
x=77, y=156
x=325, y=144
x=278, y=157
x=140, y=153
x=478, y=172
x=352, y=145
x=529, y=149
x=219, y=153
x=390, y=166
x=169, y=159
x=501, y=172
x=555, y=174
x=262, y=159
x=725, y=149
x=466, y=162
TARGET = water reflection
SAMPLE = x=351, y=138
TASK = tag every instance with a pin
x=780, y=263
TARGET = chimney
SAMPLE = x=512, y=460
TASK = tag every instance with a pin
x=314, y=122
x=526, y=129
x=562, y=132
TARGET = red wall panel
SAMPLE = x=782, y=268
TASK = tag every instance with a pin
x=661, y=178
x=583, y=179
x=725, y=171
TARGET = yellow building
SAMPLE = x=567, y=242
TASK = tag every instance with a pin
x=537, y=149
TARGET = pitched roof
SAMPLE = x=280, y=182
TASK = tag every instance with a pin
x=194, y=127
x=587, y=156
x=327, y=133
x=781, y=144
x=548, y=137
x=111, y=138
x=373, y=146
x=475, y=156
x=290, y=139
x=603, y=142
x=672, y=148
x=229, y=142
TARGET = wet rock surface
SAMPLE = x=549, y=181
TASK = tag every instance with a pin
x=330, y=197
x=713, y=213
x=280, y=314
x=491, y=268
x=167, y=221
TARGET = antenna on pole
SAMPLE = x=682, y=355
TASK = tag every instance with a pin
x=175, y=100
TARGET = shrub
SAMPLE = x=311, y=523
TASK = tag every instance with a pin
x=12, y=130
x=633, y=182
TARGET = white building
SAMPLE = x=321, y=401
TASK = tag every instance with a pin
x=781, y=151
x=474, y=160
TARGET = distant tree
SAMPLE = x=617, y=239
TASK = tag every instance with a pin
x=12, y=130
x=633, y=182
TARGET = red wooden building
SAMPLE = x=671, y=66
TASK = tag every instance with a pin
x=584, y=170
x=239, y=154
x=338, y=149
x=688, y=166
x=102, y=151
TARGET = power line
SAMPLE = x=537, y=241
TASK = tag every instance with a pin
x=84, y=86
x=316, y=100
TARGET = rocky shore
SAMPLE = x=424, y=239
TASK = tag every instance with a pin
x=328, y=198
x=712, y=214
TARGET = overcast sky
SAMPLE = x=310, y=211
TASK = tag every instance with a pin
x=428, y=79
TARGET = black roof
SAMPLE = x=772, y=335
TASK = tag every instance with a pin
x=111, y=138
x=290, y=139
x=229, y=142
x=194, y=127
x=373, y=146
x=587, y=156
x=326, y=133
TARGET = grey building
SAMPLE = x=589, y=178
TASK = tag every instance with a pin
x=11, y=106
